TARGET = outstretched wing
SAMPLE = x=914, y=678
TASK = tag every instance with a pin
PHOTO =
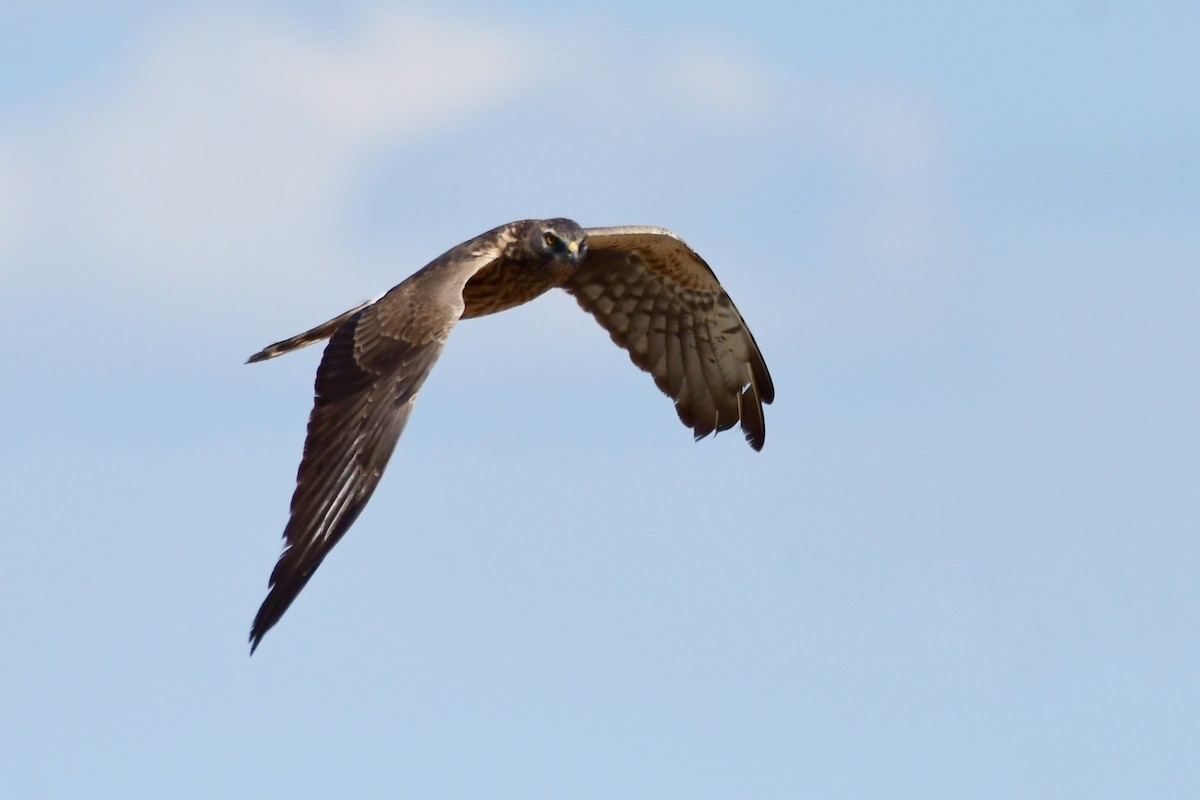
x=662, y=303
x=368, y=380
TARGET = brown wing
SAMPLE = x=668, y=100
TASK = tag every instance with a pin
x=368, y=380
x=661, y=302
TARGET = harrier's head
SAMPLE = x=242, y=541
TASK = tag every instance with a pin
x=557, y=240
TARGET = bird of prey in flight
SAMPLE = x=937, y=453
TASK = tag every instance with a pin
x=653, y=294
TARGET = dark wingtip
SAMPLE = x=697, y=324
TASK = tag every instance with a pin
x=754, y=421
x=258, y=629
x=284, y=588
x=756, y=437
x=264, y=620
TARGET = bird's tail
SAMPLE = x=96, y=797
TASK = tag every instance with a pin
x=322, y=331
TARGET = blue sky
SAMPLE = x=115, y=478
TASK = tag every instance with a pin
x=964, y=564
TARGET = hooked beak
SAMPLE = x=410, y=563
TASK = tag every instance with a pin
x=575, y=251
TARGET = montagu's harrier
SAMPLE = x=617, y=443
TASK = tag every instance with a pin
x=655, y=296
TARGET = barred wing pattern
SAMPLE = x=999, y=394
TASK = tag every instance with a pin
x=375, y=363
x=662, y=303
x=655, y=296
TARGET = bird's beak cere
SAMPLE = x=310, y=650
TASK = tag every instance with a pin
x=574, y=252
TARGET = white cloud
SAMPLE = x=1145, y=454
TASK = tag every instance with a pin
x=721, y=85
x=225, y=158
x=230, y=152
x=894, y=230
x=885, y=143
x=877, y=151
x=16, y=203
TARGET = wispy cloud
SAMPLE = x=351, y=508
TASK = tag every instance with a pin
x=720, y=85
x=16, y=203
x=232, y=147
x=889, y=226
x=227, y=155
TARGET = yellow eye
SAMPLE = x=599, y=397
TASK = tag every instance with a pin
x=550, y=239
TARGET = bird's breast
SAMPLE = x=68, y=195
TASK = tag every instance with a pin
x=506, y=284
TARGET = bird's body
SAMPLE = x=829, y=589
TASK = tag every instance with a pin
x=509, y=282
x=654, y=294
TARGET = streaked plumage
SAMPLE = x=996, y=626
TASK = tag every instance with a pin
x=655, y=296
